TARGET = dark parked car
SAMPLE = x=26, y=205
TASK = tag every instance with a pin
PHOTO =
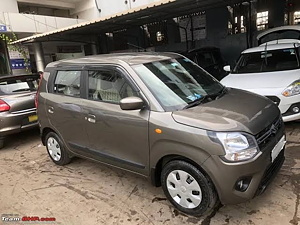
x=163, y=117
x=210, y=59
x=17, y=106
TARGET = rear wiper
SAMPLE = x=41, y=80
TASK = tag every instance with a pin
x=23, y=89
x=196, y=102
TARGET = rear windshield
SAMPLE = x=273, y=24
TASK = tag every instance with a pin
x=268, y=61
x=19, y=84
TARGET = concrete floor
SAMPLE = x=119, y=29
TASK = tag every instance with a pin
x=89, y=193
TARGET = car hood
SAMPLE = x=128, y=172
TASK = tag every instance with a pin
x=237, y=110
x=248, y=81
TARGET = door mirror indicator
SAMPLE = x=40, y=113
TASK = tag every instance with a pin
x=131, y=103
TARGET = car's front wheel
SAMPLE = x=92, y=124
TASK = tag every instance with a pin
x=56, y=149
x=187, y=188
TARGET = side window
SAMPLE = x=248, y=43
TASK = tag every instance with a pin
x=108, y=86
x=67, y=83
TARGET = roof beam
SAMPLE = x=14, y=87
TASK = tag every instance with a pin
x=50, y=3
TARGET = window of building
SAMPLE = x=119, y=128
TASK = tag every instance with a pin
x=108, y=86
x=67, y=83
x=192, y=27
x=159, y=36
x=297, y=17
x=157, y=33
x=25, y=8
x=262, y=20
x=237, y=19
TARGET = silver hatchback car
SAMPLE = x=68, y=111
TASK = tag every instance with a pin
x=17, y=105
x=163, y=117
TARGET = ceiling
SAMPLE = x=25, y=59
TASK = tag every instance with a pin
x=162, y=10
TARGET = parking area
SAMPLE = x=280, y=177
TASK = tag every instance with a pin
x=86, y=192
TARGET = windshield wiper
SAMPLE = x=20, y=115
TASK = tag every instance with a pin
x=196, y=102
x=222, y=92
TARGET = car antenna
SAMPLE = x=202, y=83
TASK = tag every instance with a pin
x=136, y=46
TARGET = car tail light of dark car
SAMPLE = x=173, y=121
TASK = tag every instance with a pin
x=4, y=106
x=38, y=89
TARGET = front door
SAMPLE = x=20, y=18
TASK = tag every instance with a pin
x=115, y=136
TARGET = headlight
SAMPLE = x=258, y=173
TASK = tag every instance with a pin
x=237, y=146
x=292, y=89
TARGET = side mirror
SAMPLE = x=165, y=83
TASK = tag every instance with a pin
x=131, y=103
x=227, y=68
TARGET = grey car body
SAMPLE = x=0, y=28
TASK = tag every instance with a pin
x=143, y=134
x=18, y=111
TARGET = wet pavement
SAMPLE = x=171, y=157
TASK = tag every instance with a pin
x=89, y=193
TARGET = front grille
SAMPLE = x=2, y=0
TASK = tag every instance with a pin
x=275, y=99
x=267, y=134
x=271, y=172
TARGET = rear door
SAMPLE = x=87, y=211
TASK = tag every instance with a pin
x=63, y=107
x=115, y=136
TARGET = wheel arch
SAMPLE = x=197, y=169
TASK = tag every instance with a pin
x=44, y=133
x=156, y=171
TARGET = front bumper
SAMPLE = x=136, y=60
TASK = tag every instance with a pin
x=260, y=170
x=286, y=104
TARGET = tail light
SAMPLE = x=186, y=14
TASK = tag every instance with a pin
x=4, y=106
x=38, y=90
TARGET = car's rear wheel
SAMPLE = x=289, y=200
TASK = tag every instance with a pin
x=187, y=188
x=56, y=149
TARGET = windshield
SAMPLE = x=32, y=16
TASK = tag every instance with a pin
x=177, y=82
x=268, y=61
x=20, y=84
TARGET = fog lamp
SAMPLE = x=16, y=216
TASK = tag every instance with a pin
x=296, y=109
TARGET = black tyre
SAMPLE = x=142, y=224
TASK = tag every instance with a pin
x=56, y=149
x=189, y=190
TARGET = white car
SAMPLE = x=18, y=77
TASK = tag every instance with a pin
x=272, y=69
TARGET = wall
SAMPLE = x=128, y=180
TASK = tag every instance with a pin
x=216, y=36
x=85, y=10
x=88, y=9
x=9, y=6
x=216, y=27
x=34, y=23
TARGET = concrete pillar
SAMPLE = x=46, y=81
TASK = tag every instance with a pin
x=276, y=13
x=39, y=56
x=94, y=49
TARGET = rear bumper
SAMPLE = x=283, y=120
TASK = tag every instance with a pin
x=11, y=123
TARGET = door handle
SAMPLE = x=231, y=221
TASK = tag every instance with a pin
x=91, y=118
x=51, y=110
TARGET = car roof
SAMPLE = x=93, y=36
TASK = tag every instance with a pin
x=278, y=29
x=131, y=58
x=271, y=47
